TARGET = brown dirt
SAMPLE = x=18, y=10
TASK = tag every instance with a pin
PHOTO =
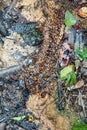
x=41, y=75
x=45, y=60
x=44, y=70
x=46, y=110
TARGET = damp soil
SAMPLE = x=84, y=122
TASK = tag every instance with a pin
x=32, y=89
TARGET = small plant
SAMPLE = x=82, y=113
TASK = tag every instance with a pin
x=69, y=19
x=71, y=78
x=82, y=54
x=68, y=75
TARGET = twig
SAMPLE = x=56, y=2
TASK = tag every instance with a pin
x=15, y=68
x=10, y=70
x=81, y=103
x=11, y=6
x=81, y=41
x=59, y=87
x=76, y=44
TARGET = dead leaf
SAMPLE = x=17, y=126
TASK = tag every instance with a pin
x=2, y=126
x=64, y=54
x=79, y=84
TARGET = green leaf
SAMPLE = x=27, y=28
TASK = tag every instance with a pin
x=68, y=80
x=69, y=19
x=85, y=53
x=79, y=125
x=82, y=54
x=68, y=74
x=73, y=78
x=65, y=71
x=18, y=118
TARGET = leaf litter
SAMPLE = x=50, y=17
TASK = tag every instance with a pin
x=37, y=81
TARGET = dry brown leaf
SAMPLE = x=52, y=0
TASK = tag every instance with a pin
x=79, y=84
x=64, y=57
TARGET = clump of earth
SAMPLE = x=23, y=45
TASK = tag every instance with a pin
x=20, y=40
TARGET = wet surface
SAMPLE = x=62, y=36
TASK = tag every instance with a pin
x=31, y=89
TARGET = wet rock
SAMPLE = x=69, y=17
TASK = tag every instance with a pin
x=31, y=35
x=22, y=28
x=33, y=38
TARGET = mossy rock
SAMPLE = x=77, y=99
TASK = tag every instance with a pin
x=30, y=33
x=33, y=37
